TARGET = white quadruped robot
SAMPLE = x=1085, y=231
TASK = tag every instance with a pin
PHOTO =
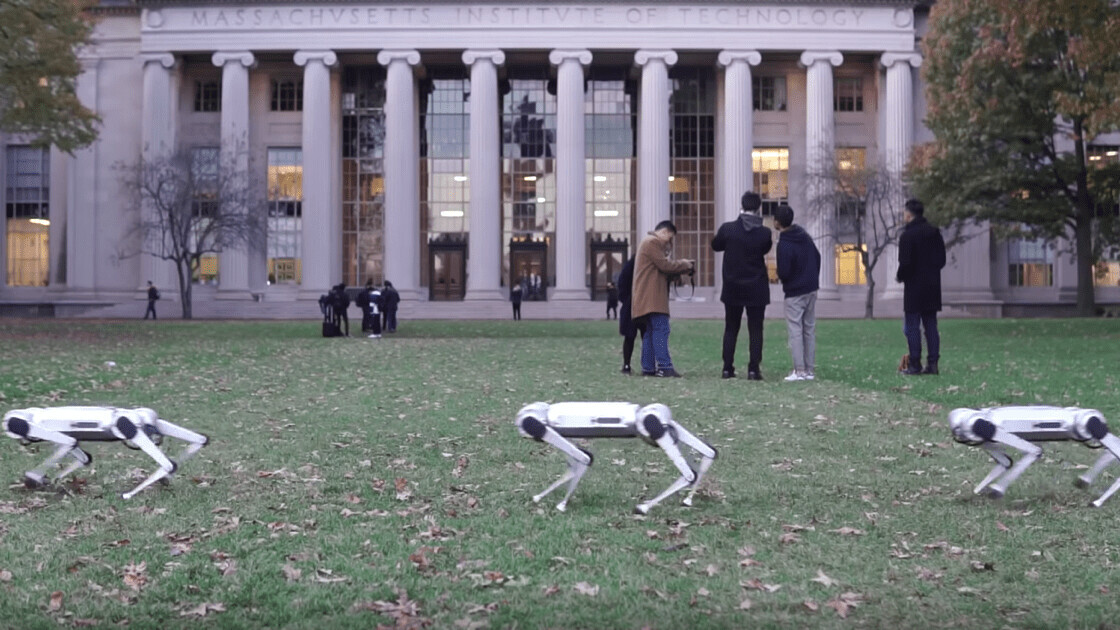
x=139, y=428
x=1020, y=427
x=556, y=423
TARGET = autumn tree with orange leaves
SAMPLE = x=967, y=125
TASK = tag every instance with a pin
x=1017, y=92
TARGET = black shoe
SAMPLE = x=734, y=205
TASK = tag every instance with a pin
x=754, y=375
x=729, y=373
x=645, y=373
x=626, y=370
x=669, y=373
x=915, y=369
x=931, y=368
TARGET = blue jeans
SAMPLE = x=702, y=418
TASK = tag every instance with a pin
x=655, y=344
x=912, y=325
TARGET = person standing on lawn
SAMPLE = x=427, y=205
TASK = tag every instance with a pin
x=746, y=282
x=921, y=257
x=653, y=270
x=799, y=269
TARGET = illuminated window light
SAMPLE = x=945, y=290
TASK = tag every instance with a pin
x=541, y=200
x=600, y=178
x=40, y=221
x=606, y=213
x=671, y=178
x=460, y=178
x=451, y=214
x=1110, y=153
x=530, y=178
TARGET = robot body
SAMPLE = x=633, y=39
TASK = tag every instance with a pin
x=1019, y=427
x=654, y=424
x=66, y=427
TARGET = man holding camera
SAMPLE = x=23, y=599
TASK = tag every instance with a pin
x=746, y=282
x=652, y=271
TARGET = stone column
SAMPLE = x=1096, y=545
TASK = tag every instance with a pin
x=319, y=254
x=402, y=173
x=653, y=139
x=157, y=143
x=820, y=149
x=233, y=262
x=898, y=137
x=484, y=262
x=571, y=175
x=81, y=198
x=738, y=128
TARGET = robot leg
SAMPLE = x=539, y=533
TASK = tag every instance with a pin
x=23, y=429
x=1003, y=462
x=707, y=454
x=656, y=425
x=195, y=441
x=81, y=458
x=578, y=459
x=130, y=431
x=1031, y=452
x=1112, y=443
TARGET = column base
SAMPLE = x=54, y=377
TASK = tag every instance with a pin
x=828, y=293
x=892, y=292
x=413, y=295
x=570, y=295
x=479, y=295
x=235, y=294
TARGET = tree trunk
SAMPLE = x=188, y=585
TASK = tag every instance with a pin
x=1083, y=228
x=184, y=286
x=869, y=303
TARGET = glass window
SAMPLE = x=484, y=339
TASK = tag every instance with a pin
x=692, y=108
x=444, y=156
x=204, y=184
x=1030, y=263
x=849, y=264
x=287, y=95
x=771, y=182
x=285, y=211
x=610, y=136
x=27, y=213
x=848, y=94
x=769, y=93
x=363, y=174
x=207, y=96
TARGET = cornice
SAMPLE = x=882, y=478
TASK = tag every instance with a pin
x=262, y=3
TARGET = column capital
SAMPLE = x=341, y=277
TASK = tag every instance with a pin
x=327, y=57
x=243, y=57
x=728, y=57
x=560, y=55
x=492, y=55
x=644, y=56
x=889, y=59
x=407, y=55
x=810, y=57
x=165, y=59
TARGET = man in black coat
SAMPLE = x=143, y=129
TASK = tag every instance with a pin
x=921, y=256
x=390, y=300
x=746, y=283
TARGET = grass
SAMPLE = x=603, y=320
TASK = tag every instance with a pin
x=351, y=483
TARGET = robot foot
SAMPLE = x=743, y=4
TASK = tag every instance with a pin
x=31, y=481
x=1081, y=483
x=994, y=493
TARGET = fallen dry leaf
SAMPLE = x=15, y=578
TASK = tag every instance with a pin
x=55, y=602
x=788, y=538
x=811, y=605
x=135, y=575
x=978, y=566
x=757, y=585
x=291, y=573
x=848, y=531
x=844, y=602
x=823, y=579
x=203, y=610
x=551, y=590
x=745, y=604
x=583, y=588
x=5, y=576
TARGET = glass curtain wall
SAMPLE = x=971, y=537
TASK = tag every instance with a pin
x=692, y=195
x=363, y=174
x=611, y=145
x=771, y=182
x=205, y=170
x=444, y=158
x=529, y=163
x=27, y=213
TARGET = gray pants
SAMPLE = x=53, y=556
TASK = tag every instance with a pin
x=801, y=323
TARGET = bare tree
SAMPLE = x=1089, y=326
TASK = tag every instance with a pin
x=192, y=204
x=860, y=208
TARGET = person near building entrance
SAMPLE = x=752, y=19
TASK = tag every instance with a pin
x=746, y=282
x=799, y=269
x=515, y=299
x=390, y=300
x=612, y=300
x=340, y=301
x=921, y=257
x=653, y=270
x=627, y=327
x=153, y=295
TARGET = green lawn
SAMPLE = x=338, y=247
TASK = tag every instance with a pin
x=354, y=482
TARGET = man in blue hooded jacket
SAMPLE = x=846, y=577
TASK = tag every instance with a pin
x=799, y=269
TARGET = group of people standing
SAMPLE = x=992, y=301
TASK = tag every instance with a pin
x=378, y=305
x=643, y=290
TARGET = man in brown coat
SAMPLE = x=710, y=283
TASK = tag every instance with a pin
x=652, y=271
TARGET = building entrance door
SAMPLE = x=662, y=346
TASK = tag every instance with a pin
x=447, y=264
x=607, y=258
x=528, y=266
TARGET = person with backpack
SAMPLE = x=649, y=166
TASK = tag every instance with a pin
x=340, y=301
x=375, y=299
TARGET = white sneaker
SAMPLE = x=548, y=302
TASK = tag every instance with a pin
x=809, y=376
x=375, y=336
x=794, y=376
